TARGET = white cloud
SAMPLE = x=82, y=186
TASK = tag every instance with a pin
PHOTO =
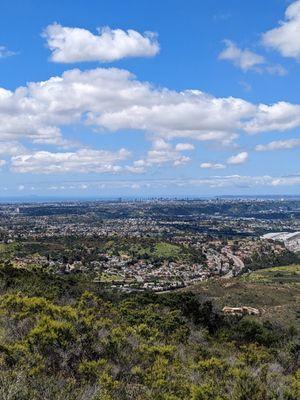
x=227, y=181
x=242, y=182
x=6, y=53
x=2, y=163
x=163, y=152
x=248, y=60
x=11, y=148
x=113, y=100
x=277, y=117
x=285, y=181
x=240, y=158
x=237, y=159
x=276, y=69
x=244, y=59
x=184, y=147
x=279, y=145
x=69, y=45
x=285, y=38
x=83, y=161
x=210, y=165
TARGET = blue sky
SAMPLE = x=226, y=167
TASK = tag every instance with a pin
x=101, y=98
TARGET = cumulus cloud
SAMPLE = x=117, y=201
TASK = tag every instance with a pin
x=285, y=38
x=279, y=145
x=244, y=59
x=240, y=158
x=2, y=162
x=11, y=148
x=161, y=153
x=210, y=165
x=69, y=45
x=237, y=159
x=277, y=117
x=248, y=60
x=84, y=160
x=184, y=147
x=110, y=100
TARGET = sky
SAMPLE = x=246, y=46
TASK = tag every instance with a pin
x=149, y=98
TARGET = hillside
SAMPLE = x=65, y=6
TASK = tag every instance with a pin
x=275, y=291
x=66, y=338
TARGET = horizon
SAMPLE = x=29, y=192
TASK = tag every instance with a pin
x=39, y=199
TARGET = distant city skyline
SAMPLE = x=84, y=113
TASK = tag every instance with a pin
x=134, y=98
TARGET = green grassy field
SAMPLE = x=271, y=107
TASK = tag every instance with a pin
x=289, y=274
x=163, y=250
x=167, y=250
x=108, y=278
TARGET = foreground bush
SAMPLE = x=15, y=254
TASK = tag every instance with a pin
x=84, y=344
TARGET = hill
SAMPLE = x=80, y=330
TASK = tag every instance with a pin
x=63, y=337
x=275, y=291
